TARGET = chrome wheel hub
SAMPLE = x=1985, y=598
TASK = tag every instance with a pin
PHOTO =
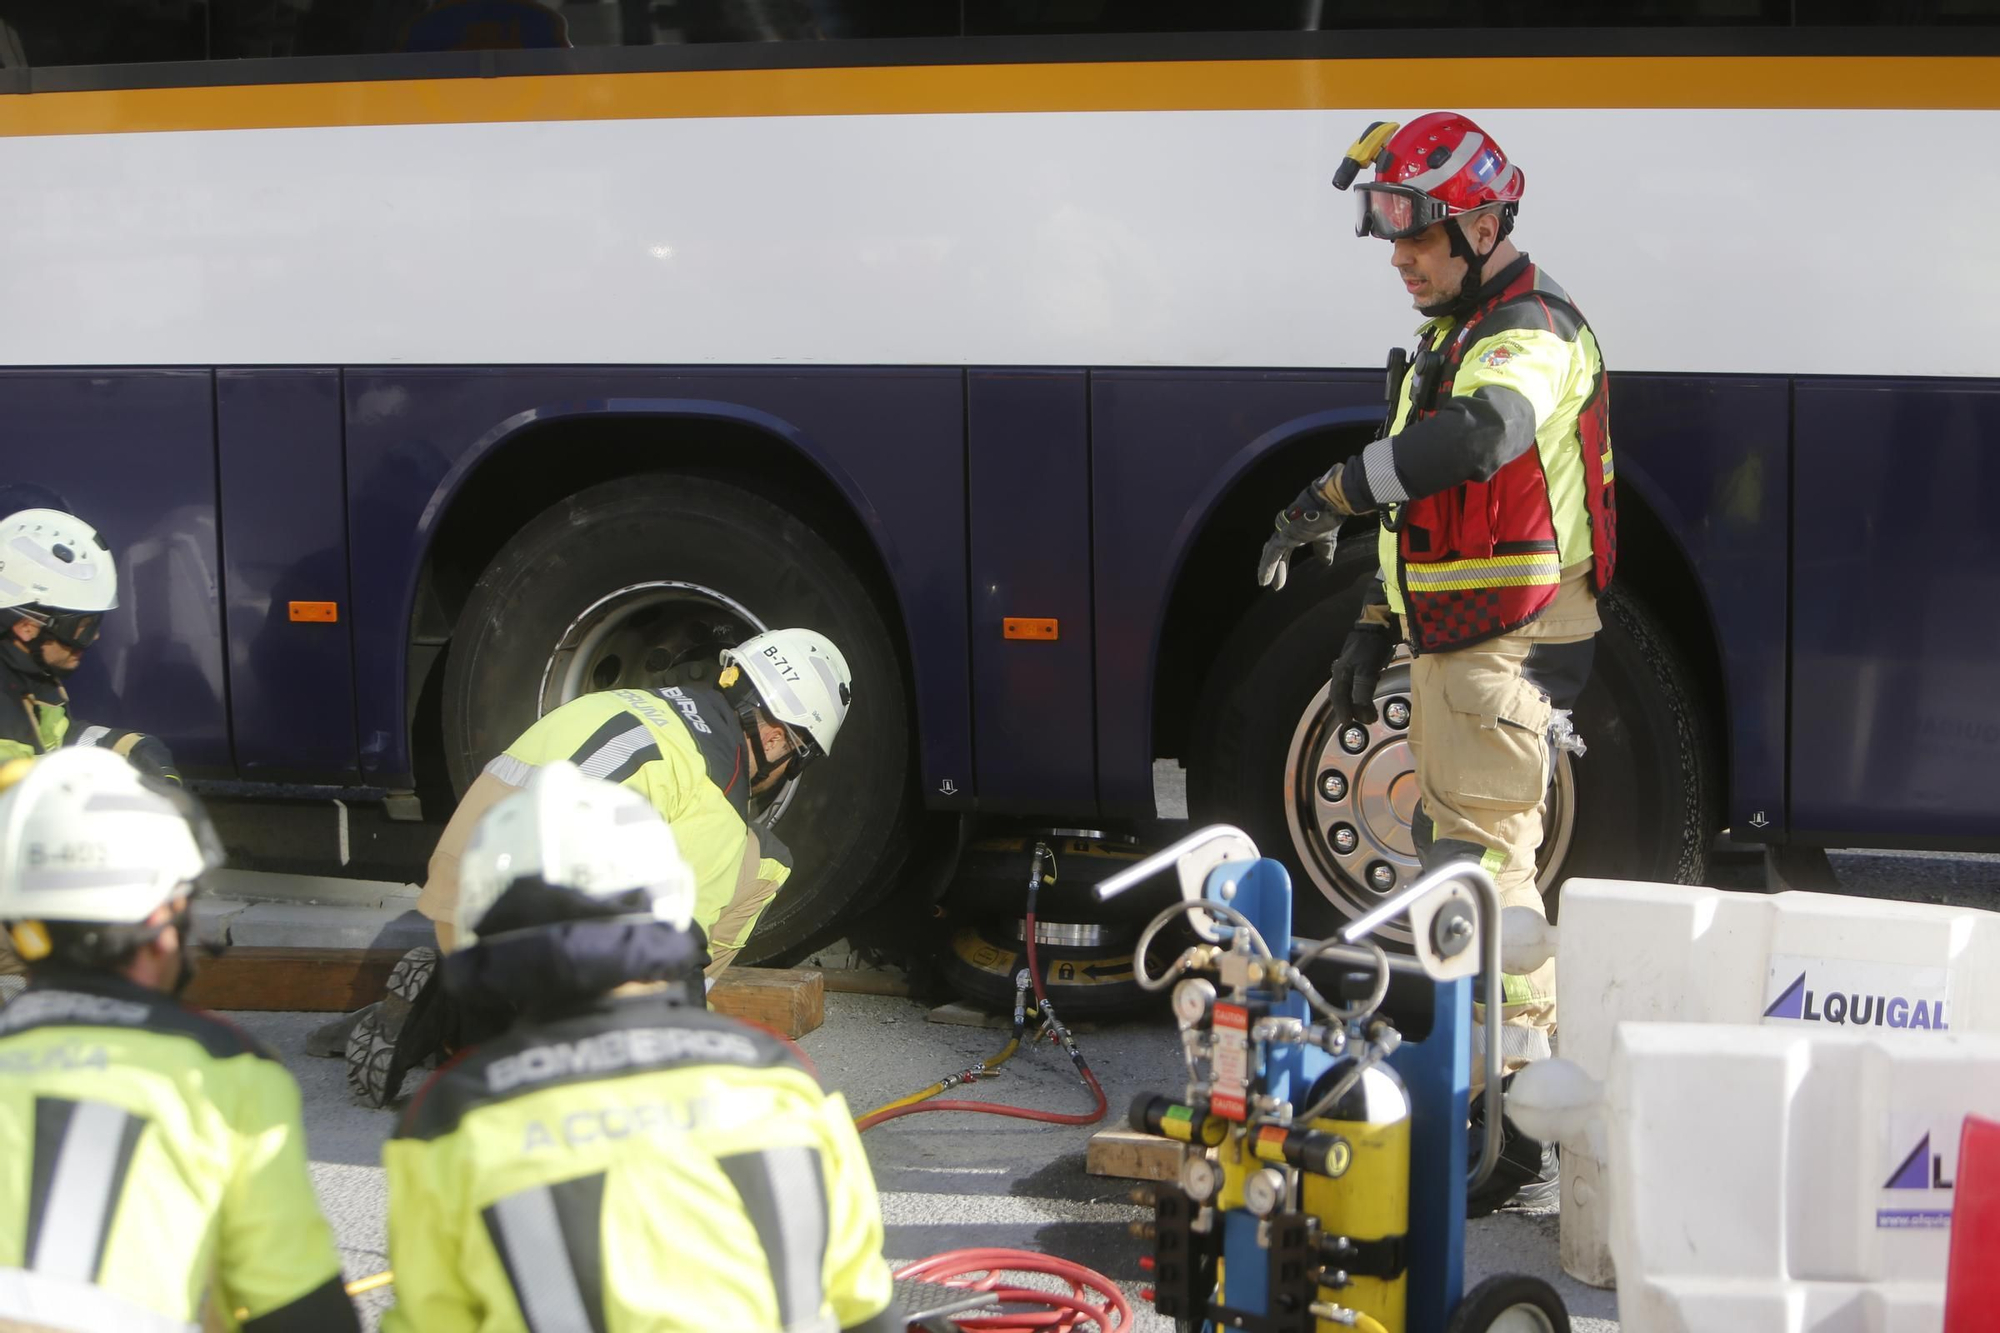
x=1351, y=794
x=648, y=635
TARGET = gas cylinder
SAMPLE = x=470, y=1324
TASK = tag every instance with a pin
x=1359, y=1190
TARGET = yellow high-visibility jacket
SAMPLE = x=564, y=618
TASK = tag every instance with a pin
x=151, y=1155
x=637, y=1165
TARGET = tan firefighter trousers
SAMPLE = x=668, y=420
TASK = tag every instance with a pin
x=1479, y=733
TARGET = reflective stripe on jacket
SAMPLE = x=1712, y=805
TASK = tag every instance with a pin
x=151, y=1151
x=682, y=749
x=1496, y=474
x=636, y=1165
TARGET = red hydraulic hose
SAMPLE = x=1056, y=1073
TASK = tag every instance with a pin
x=1092, y=1299
x=798, y=1051
x=1091, y=1117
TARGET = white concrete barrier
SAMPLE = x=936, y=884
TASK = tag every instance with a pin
x=1786, y=1179
x=1807, y=962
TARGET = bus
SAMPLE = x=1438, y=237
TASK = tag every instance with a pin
x=427, y=364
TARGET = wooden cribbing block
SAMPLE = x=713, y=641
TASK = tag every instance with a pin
x=1130, y=1155
x=791, y=1000
x=249, y=977
x=313, y=980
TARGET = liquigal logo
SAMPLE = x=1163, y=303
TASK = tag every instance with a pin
x=1917, y=1194
x=1857, y=994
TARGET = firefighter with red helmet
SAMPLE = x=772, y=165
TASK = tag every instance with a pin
x=1492, y=482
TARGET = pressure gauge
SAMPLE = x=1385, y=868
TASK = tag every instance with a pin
x=1264, y=1192
x=1200, y=1179
x=1192, y=1000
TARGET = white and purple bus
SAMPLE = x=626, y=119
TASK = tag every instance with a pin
x=428, y=365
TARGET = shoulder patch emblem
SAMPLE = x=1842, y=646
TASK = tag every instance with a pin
x=1499, y=354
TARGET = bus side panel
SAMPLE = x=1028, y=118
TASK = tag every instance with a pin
x=1708, y=456
x=1166, y=445
x=892, y=440
x=1895, y=639
x=1028, y=471
x=284, y=506
x=133, y=453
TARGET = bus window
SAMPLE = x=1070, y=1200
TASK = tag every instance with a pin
x=796, y=20
x=1025, y=17
x=1895, y=13
x=253, y=28
x=116, y=32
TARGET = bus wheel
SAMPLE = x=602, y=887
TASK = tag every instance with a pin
x=1335, y=807
x=641, y=582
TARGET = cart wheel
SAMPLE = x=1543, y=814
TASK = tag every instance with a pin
x=1510, y=1303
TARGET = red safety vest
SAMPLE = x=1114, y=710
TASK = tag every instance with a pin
x=1480, y=559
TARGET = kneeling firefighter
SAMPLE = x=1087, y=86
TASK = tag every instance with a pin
x=155, y=1155
x=610, y=1154
x=705, y=759
x=1494, y=483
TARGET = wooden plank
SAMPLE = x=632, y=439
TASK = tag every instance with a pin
x=1130, y=1155
x=790, y=1000
x=311, y=980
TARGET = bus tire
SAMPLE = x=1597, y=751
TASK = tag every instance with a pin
x=849, y=824
x=1647, y=794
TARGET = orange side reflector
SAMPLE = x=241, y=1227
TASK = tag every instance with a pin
x=1021, y=627
x=326, y=612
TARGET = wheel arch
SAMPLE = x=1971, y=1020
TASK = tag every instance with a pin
x=505, y=479
x=1653, y=564
x=1214, y=558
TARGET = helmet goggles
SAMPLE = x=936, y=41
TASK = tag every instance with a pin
x=1392, y=212
x=75, y=630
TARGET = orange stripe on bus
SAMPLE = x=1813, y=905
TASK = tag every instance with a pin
x=1858, y=82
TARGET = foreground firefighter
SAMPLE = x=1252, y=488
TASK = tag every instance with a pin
x=610, y=1154
x=155, y=1158
x=1493, y=479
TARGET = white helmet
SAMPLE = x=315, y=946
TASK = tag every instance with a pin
x=581, y=836
x=801, y=678
x=56, y=569
x=85, y=838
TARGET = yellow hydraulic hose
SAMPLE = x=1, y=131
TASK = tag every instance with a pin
x=970, y=1075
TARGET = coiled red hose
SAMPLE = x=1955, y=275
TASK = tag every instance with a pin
x=1093, y=1299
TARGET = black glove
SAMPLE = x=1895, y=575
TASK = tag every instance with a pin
x=151, y=757
x=1356, y=672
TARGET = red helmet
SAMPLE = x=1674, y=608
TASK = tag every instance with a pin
x=1438, y=165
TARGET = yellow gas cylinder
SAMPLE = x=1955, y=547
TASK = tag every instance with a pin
x=1356, y=1165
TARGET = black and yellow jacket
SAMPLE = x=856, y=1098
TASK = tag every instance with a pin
x=152, y=1159
x=637, y=1165
x=681, y=748
x=35, y=719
